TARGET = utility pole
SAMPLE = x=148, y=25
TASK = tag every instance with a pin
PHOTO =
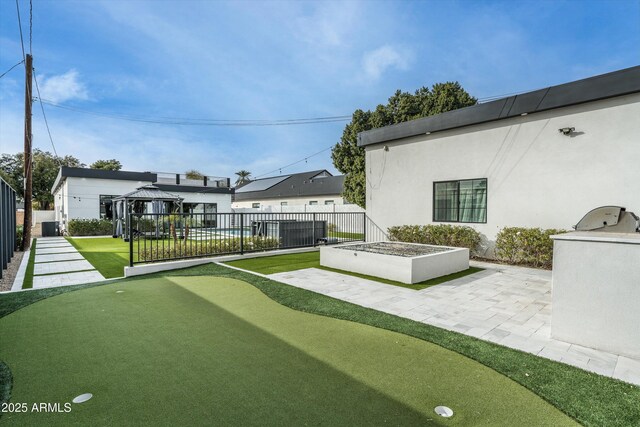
x=28, y=162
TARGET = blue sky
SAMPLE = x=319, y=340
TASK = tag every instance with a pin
x=259, y=60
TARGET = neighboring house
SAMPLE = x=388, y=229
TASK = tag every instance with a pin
x=298, y=189
x=540, y=159
x=87, y=193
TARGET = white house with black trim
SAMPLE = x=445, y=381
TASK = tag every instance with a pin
x=540, y=159
x=81, y=193
x=314, y=188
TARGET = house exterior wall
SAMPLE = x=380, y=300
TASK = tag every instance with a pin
x=79, y=198
x=291, y=201
x=536, y=176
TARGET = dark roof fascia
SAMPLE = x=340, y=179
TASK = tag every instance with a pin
x=329, y=186
x=106, y=174
x=69, y=172
x=193, y=189
x=617, y=83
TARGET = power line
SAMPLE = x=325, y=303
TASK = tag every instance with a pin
x=45, y=117
x=20, y=26
x=186, y=121
x=3, y=74
x=295, y=163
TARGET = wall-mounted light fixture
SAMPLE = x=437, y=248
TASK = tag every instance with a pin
x=428, y=133
x=567, y=131
x=385, y=148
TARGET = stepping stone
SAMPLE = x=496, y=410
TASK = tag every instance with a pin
x=61, y=267
x=55, y=250
x=58, y=257
x=51, y=239
x=56, y=246
x=67, y=279
x=56, y=243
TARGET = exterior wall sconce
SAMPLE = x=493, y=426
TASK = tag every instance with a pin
x=566, y=131
x=385, y=148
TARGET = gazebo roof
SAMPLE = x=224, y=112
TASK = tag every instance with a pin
x=149, y=192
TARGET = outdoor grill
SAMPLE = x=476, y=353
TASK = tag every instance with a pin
x=613, y=219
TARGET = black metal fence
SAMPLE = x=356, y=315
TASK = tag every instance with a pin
x=7, y=224
x=165, y=237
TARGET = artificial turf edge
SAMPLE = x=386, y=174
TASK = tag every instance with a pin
x=589, y=398
x=28, y=275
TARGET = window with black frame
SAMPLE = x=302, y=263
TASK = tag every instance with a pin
x=205, y=213
x=460, y=201
x=106, y=207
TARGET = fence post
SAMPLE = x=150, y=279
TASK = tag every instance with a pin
x=314, y=229
x=364, y=226
x=130, y=232
x=241, y=233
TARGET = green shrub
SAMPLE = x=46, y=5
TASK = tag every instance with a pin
x=180, y=249
x=90, y=227
x=19, y=234
x=460, y=236
x=527, y=246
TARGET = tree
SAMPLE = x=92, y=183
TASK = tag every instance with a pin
x=194, y=174
x=349, y=159
x=108, y=165
x=243, y=177
x=11, y=171
x=45, y=170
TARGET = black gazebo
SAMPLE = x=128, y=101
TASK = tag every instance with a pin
x=130, y=203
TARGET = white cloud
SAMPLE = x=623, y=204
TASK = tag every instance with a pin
x=62, y=87
x=376, y=62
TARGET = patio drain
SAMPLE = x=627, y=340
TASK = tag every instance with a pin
x=443, y=411
x=82, y=398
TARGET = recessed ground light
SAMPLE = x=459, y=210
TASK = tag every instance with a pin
x=443, y=411
x=82, y=398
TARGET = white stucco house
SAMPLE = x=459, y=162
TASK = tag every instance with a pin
x=314, y=188
x=539, y=159
x=81, y=193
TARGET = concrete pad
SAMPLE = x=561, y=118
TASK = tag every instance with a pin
x=55, y=250
x=61, y=267
x=70, y=256
x=54, y=245
x=67, y=279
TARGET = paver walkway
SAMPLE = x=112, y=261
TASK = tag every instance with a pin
x=58, y=263
x=507, y=305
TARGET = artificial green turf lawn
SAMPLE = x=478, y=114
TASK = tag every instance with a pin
x=108, y=255
x=290, y=262
x=217, y=351
x=28, y=275
x=592, y=399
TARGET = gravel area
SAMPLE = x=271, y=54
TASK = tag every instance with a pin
x=397, y=249
x=10, y=273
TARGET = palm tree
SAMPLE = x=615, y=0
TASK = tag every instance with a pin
x=243, y=177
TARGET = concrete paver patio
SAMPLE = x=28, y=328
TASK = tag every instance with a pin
x=504, y=304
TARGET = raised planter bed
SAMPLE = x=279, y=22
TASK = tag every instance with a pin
x=404, y=262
